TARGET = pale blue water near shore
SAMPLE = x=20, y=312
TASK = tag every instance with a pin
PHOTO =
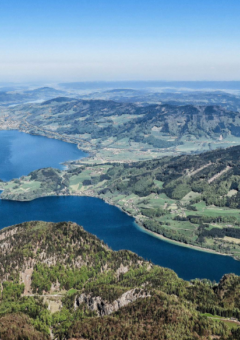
x=110, y=224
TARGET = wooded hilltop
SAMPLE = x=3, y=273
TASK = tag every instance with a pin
x=60, y=282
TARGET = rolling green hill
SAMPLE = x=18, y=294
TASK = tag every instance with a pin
x=114, y=131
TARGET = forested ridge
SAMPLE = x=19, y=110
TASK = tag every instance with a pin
x=97, y=118
x=193, y=199
x=101, y=293
x=113, y=130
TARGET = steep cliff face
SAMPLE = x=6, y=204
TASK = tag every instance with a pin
x=102, y=307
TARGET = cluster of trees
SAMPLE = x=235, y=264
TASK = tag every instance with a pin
x=43, y=277
x=161, y=229
x=153, y=212
x=202, y=219
x=217, y=232
x=37, y=316
x=18, y=326
x=155, y=142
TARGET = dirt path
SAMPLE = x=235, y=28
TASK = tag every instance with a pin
x=219, y=174
x=196, y=171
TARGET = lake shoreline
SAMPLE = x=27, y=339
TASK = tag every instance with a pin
x=181, y=244
x=89, y=155
x=163, y=238
x=140, y=226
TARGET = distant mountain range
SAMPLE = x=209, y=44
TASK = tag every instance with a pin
x=17, y=97
x=194, y=85
x=202, y=98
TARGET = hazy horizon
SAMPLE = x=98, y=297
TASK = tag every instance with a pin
x=132, y=40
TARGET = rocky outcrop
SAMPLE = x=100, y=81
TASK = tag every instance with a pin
x=122, y=270
x=103, y=307
x=26, y=279
x=7, y=232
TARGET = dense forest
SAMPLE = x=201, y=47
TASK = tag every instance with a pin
x=101, y=293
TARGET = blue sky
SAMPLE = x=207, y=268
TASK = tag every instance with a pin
x=119, y=40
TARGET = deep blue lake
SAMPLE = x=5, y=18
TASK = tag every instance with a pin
x=110, y=224
x=21, y=153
